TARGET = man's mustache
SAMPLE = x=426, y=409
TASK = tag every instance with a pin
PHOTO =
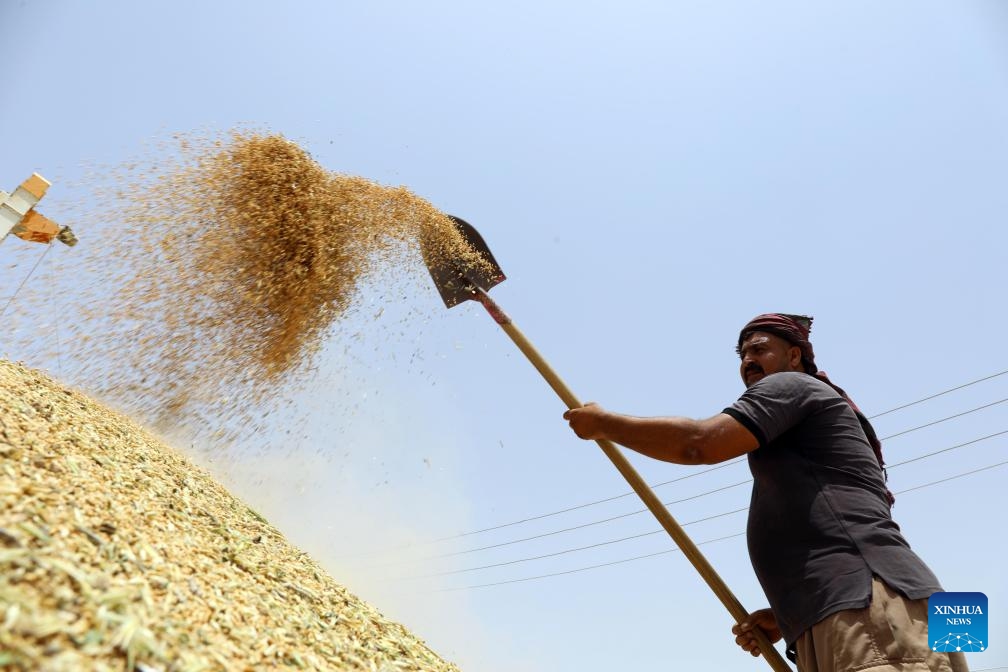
x=753, y=368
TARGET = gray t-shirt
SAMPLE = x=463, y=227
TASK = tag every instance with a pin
x=819, y=520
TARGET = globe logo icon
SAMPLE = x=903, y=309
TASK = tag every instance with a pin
x=957, y=641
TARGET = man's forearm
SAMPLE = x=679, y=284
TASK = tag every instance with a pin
x=677, y=440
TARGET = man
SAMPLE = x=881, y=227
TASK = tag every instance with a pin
x=846, y=592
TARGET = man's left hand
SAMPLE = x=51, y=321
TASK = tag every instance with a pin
x=763, y=619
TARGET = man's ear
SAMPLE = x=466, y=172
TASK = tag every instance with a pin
x=795, y=358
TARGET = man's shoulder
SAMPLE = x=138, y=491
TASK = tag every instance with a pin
x=790, y=378
x=793, y=382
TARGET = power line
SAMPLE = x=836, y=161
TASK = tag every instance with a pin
x=591, y=524
x=945, y=450
x=673, y=550
x=937, y=394
x=708, y=492
x=951, y=417
x=735, y=461
x=21, y=286
x=556, y=513
x=952, y=478
x=726, y=513
x=582, y=548
x=674, y=480
x=56, y=315
x=585, y=569
x=586, y=505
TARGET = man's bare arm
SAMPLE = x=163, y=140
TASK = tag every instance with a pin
x=679, y=440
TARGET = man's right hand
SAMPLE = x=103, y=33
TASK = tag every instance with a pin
x=763, y=619
x=588, y=421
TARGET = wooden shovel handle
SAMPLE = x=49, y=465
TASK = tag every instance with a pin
x=642, y=489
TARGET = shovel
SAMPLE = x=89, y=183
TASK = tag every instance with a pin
x=457, y=283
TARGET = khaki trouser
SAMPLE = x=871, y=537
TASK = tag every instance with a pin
x=889, y=635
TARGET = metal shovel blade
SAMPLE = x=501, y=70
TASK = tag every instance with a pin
x=455, y=281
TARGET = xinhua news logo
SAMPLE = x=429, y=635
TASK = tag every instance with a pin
x=957, y=622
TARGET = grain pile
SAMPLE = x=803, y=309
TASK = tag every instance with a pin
x=118, y=554
x=223, y=267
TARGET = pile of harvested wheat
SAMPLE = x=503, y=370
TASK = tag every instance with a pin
x=209, y=283
x=118, y=554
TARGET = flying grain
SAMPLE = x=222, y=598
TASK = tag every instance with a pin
x=228, y=265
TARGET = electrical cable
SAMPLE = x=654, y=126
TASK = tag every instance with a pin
x=582, y=548
x=673, y=550
x=937, y=394
x=735, y=461
x=21, y=286
x=951, y=417
x=591, y=524
x=585, y=569
x=547, y=534
x=708, y=492
x=945, y=450
x=952, y=478
x=675, y=480
x=719, y=515
x=56, y=315
x=586, y=505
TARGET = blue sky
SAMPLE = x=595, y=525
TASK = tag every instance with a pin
x=650, y=176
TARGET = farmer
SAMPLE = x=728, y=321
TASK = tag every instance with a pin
x=846, y=592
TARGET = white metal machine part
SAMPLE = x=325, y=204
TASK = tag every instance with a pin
x=18, y=214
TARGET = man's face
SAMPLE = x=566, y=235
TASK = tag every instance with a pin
x=763, y=353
